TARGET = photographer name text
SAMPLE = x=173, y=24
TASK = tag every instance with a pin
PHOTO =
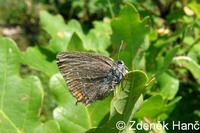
x=159, y=125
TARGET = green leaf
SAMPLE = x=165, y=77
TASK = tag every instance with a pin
x=151, y=108
x=189, y=64
x=125, y=96
x=20, y=99
x=194, y=53
x=72, y=117
x=98, y=38
x=170, y=88
x=126, y=102
x=155, y=107
x=52, y=28
x=129, y=28
x=35, y=59
x=60, y=32
x=167, y=39
x=195, y=7
x=75, y=43
x=171, y=105
x=167, y=61
x=52, y=126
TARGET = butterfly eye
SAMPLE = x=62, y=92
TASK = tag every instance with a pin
x=120, y=62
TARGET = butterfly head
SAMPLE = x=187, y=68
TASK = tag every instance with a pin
x=121, y=67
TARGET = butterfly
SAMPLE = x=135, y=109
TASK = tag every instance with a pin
x=89, y=76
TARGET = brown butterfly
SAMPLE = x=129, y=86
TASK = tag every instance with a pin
x=90, y=76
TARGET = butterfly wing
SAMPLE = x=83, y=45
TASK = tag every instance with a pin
x=85, y=74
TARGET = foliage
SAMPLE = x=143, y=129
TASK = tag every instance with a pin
x=161, y=50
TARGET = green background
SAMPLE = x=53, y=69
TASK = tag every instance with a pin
x=161, y=44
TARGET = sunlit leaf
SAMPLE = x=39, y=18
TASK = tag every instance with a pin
x=20, y=99
x=129, y=28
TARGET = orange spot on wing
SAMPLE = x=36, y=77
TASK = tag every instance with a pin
x=80, y=96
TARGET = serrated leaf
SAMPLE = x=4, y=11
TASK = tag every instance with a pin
x=98, y=38
x=61, y=33
x=51, y=28
x=129, y=28
x=20, y=99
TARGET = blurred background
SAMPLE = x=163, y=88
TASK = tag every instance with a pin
x=171, y=23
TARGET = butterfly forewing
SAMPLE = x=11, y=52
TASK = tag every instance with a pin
x=86, y=75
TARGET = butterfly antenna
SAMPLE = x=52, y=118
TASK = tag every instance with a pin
x=120, y=48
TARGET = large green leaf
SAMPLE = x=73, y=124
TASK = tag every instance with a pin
x=129, y=28
x=98, y=38
x=60, y=32
x=72, y=117
x=20, y=99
